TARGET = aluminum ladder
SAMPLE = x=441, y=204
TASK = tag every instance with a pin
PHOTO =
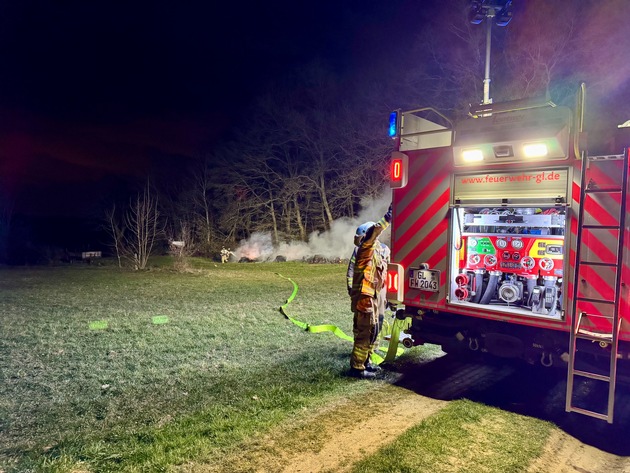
x=578, y=330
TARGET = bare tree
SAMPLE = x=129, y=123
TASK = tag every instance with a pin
x=200, y=200
x=142, y=222
x=116, y=230
x=136, y=231
x=182, y=242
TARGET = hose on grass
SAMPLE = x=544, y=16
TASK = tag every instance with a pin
x=393, y=350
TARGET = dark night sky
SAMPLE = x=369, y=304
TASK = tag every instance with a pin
x=93, y=91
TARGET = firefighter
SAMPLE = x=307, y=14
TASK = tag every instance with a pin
x=369, y=272
x=225, y=255
x=385, y=258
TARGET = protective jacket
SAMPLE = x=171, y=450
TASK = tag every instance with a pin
x=384, y=253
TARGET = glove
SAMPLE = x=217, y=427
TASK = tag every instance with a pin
x=388, y=215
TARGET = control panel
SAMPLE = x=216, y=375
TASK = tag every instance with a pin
x=521, y=255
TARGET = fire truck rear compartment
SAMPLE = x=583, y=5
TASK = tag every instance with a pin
x=509, y=259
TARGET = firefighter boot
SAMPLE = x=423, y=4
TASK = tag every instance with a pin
x=371, y=367
x=362, y=374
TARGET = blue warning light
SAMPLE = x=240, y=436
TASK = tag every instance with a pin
x=393, y=124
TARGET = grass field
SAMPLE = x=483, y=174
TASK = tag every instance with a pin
x=141, y=396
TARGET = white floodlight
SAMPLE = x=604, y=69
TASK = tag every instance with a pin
x=535, y=150
x=472, y=155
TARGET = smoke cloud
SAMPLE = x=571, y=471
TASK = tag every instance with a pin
x=334, y=243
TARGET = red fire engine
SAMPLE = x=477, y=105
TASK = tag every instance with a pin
x=509, y=238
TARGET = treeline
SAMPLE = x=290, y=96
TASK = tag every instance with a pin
x=301, y=157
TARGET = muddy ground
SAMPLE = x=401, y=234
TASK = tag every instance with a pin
x=317, y=443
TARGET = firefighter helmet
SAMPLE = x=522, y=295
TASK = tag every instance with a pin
x=361, y=231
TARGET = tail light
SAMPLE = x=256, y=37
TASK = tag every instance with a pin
x=395, y=282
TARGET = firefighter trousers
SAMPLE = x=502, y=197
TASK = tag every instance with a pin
x=365, y=329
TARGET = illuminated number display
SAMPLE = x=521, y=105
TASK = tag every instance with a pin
x=397, y=170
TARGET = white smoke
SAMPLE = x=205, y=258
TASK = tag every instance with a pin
x=334, y=243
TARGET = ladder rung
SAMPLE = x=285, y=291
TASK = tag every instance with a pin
x=586, y=412
x=594, y=336
x=599, y=301
x=598, y=263
x=598, y=316
x=587, y=374
x=601, y=190
x=605, y=157
x=602, y=227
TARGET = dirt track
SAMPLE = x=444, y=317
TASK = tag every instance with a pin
x=325, y=441
x=565, y=454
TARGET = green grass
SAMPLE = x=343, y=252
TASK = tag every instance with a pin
x=464, y=437
x=137, y=396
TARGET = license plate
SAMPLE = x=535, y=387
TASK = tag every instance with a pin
x=424, y=279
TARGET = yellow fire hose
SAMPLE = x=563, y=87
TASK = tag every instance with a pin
x=393, y=350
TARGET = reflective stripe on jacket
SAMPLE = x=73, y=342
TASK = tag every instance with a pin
x=350, y=271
